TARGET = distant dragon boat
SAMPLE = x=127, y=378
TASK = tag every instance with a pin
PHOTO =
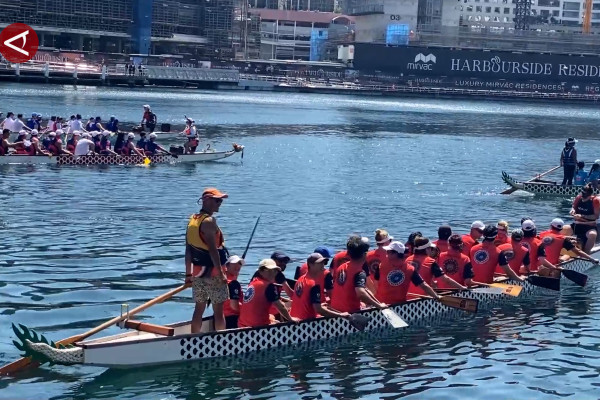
x=98, y=159
x=542, y=187
x=148, y=344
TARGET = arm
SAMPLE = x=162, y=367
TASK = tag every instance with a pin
x=284, y=311
x=511, y=274
x=427, y=289
x=366, y=297
x=63, y=151
x=287, y=289
x=188, y=265
x=135, y=150
x=584, y=255
x=438, y=273
x=209, y=231
x=326, y=312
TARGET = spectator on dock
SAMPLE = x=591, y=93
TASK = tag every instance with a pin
x=568, y=160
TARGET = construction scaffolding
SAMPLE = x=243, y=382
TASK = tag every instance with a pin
x=170, y=17
x=107, y=16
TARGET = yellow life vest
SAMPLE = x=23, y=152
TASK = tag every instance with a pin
x=193, y=236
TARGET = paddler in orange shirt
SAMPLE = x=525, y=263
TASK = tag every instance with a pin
x=516, y=254
x=395, y=277
x=502, y=237
x=350, y=280
x=470, y=240
x=455, y=264
x=427, y=266
x=485, y=256
x=307, y=302
x=231, y=308
x=377, y=256
x=554, y=242
x=444, y=233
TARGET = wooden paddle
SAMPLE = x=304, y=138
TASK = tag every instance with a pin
x=511, y=290
x=544, y=282
x=461, y=303
x=512, y=189
x=24, y=362
x=574, y=276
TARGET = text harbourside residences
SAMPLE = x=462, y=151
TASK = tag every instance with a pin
x=496, y=65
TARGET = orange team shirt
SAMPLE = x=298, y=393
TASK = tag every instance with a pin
x=394, y=280
x=484, y=258
x=346, y=278
x=536, y=249
x=442, y=245
x=306, y=294
x=516, y=255
x=338, y=260
x=456, y=266
x=235, y=290
x=468, y=243
x=553, y=244
x=427, y=268
x=259, y=296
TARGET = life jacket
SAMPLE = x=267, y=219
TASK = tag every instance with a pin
x=585, y=208
x=453, y=264
x=227, y=310
x=553, y=244
x=111, y=126
x=343, y=295
x=302, y=306
x=484, y=259
x=20, y=148
x=442, y=245
x=255, y=306
x=338, y=259
x=141, y=144
x=53, y=148
x=119, y=142
x=31, y=123
x=580, y=177
x=193, y=141
x=46, y=143
x=125, y=150
x=422, y=264
x=201, y=261
x=151, y=147
x=394, y=281
x=568, y=154
x=532, y=244
x=515, y=254
x=71, y=144
x=3, y=150
x=468, y=243
x=89, y=126
x=97, y=144
x=31, y=148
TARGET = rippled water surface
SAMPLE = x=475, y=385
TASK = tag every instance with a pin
x=79, y=242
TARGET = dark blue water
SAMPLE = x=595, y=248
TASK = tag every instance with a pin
x=79, y=242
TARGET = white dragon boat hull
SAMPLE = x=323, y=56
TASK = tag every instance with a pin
x=114, y=160
x=544, y=188
x=136, y=348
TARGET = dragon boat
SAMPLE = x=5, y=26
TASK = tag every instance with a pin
x=98, y=159
x=543, y=187
x=148, y=344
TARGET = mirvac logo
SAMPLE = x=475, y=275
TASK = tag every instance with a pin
x=422, y=62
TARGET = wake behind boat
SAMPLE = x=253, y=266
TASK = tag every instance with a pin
x=148, y=344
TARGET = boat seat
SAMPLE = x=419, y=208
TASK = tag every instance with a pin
x=150, y=328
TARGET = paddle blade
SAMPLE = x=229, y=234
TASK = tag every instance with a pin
x=393, y=319
x=545, y=282
x=359, y=321
x=468, y=305
x=147, y=161
x=511, y=290
x=574, y=276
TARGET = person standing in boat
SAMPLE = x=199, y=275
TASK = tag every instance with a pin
x=585, y=211
x=568, y=160
x=260, y=296
x=205, y=254
x=148, y=119
x=307, y=300
x=231, y=308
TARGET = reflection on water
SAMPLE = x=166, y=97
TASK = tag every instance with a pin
x=79, y=242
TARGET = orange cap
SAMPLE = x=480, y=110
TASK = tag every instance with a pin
x=214, y=193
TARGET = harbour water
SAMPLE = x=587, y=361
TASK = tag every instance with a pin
x=78, y=242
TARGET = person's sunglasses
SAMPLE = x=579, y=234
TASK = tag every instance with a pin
x=218, y=201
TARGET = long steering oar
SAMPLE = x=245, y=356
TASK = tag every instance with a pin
x=512, y=190
x=24, y=362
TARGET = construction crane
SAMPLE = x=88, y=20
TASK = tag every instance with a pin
x=587, y=16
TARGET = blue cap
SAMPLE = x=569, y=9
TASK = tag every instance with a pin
x=280, y=256
x=325, y=251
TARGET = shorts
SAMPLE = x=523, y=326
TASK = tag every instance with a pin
x=581, y=231
x=212, y=288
